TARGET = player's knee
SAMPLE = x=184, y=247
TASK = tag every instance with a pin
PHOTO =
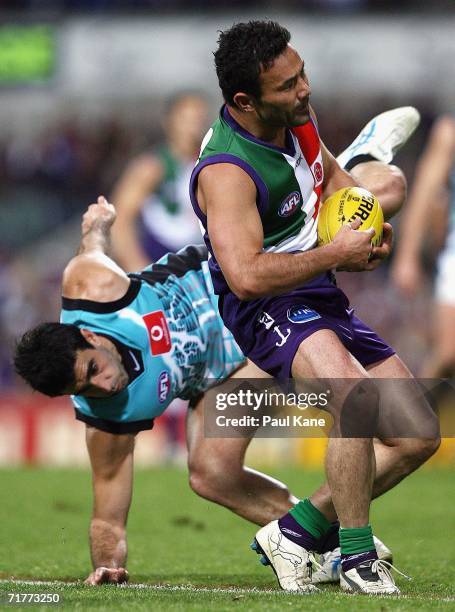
x=359, y=414
x=427, y=448
x=396, y=186
x=199, y=485
x=207, y=478
x=202, y=483
x=391, y=189
x=416, y=451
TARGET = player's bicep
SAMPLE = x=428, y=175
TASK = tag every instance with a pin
x=94, y=276
x=111, y=458
x=233, y=220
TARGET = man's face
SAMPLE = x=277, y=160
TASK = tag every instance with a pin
x=99, y=372
x=285, y=92
x=189, y=119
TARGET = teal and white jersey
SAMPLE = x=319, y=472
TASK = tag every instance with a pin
x=169, y=334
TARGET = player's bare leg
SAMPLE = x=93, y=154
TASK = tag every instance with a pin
x=217, y=469
x=368, y=157
x=217, y=472
x=386, y=181
x=287, y=543
x=350, y=462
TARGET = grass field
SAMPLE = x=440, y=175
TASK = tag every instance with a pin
x=193, y=555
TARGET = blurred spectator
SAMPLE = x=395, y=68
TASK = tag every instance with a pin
x=154, y=212
x=432, y=192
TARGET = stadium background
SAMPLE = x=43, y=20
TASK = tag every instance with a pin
x=82, y=88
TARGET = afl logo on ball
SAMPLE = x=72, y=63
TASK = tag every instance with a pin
x=164, y=386
x=302, y=314
x=290, y=204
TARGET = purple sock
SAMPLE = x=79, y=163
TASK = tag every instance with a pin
x=330, y=540
x=350, y=561
x=291, y=529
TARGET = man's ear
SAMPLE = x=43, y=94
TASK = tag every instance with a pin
x=244, y=102
x=91, y=337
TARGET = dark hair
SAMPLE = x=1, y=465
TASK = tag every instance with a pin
x=243, y=51
x=45, y=356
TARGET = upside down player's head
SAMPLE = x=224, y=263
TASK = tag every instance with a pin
x=60, y=359
x=260, y=73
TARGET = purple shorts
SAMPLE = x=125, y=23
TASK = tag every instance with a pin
x=270, y=330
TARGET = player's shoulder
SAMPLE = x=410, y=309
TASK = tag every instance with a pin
x=226, y=181
x=94, y=277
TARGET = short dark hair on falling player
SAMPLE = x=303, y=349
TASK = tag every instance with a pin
x=45, y=356
x=243, y=51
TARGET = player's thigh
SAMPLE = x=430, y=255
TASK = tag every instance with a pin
x=353, y=397
x=322, y=355
x=392, y=367
x=250, y=370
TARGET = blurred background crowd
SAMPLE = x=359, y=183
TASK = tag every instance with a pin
x=85, y=85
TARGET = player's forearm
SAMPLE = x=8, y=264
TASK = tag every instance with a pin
x=275, y=273
x=108, y=545
x=95, y=239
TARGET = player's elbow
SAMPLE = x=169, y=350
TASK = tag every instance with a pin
x=246, y=289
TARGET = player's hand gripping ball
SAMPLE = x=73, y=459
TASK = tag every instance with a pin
x=346, y=205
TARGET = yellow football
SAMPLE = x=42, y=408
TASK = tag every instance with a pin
x=346, y=205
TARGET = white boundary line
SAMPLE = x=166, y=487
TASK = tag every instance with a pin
x=195, y=589
x=152, y=587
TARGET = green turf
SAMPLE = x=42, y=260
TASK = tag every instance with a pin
x=175, y=538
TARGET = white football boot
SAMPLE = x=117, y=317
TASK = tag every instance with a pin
x=291, y=563
x=371, y=578
x=331, y=563
x=384, y=135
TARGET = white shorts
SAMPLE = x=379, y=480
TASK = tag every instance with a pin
x=445, y=278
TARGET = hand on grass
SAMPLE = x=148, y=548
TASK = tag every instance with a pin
x=107, y=575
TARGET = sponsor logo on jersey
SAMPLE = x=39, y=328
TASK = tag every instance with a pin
x=302, y=314
x=164, y=386
x=290, y=204
x=158, y=332
x=318, y=172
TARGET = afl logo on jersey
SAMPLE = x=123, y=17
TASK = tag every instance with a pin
x=302, y=314
x=164, y=386
x=290, y=204
x=158, y=332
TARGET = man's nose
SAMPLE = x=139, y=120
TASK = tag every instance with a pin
x=103, y=382
x=304, y=89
